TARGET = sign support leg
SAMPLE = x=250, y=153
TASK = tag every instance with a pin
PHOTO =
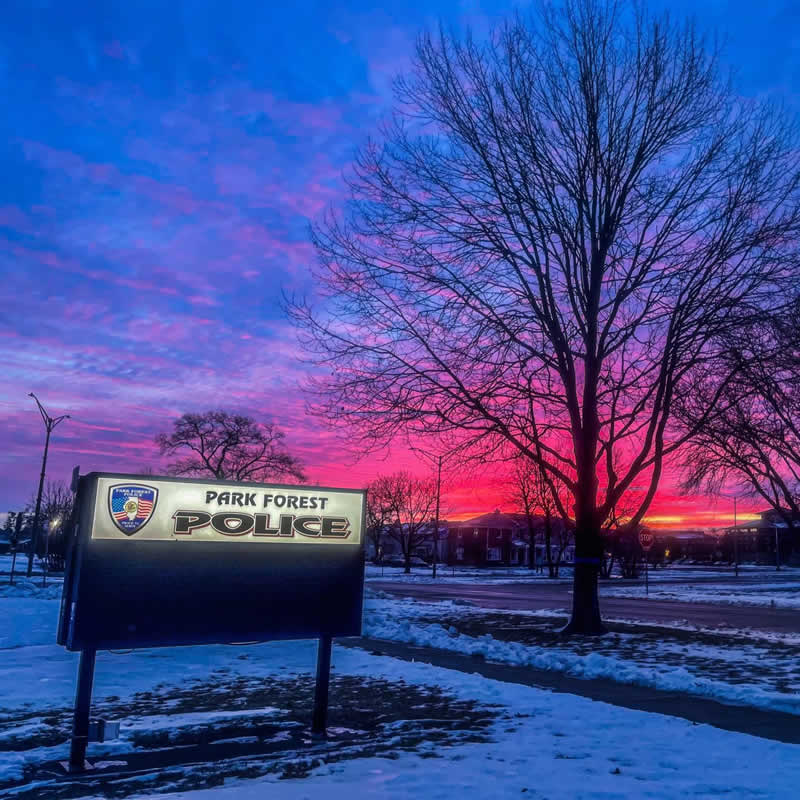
x=319, y=722
x=80, y=720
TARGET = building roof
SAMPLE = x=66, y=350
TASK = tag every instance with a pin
x=683, y=535
x=495, y=519
x=761, y=525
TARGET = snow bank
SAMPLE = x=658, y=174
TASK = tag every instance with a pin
x=32, y=587
x=403, y=623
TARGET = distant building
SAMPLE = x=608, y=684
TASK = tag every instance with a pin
x=689, y=545
x=486, y=540
x=500, y=539
x=390, y=547
x=759, y=540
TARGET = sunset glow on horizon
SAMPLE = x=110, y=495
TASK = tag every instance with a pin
x=158, y=187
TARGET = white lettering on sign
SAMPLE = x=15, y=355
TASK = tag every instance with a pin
x=646, y=540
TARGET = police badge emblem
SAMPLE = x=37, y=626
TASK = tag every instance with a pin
x=131, y=506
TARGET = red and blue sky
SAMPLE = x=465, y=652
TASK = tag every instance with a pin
x=160, y=164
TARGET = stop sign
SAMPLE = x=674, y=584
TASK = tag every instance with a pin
x=646, y=540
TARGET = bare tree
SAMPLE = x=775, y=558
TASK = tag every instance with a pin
x=9, y=531
x=532, y=493
x=229, y=446
x=380, y=514
x=753, y=435
x=54, y=518
x=409, y=503
x=554, y=230
x=57, y=502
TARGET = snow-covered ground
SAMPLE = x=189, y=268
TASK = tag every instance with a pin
x=399, y=730
x=782, y=594
x=739, y=667
x=678, y=573
x=548, y=746
x=464, y=574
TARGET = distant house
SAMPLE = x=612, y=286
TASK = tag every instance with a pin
x=759, y=540
x=689, y=545
x=390, y=546
x=425, y=549
x=500, y=539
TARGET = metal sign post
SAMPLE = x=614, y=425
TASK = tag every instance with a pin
x=646, y=540
x=80, y=719
x=319, y=722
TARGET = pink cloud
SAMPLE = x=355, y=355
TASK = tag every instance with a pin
x=14, y=217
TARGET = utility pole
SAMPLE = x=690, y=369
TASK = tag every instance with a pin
x=735, y=534
x=17, y=533
x=735, y=541
x=49, y=424
x=437, y=459
x=436, y=523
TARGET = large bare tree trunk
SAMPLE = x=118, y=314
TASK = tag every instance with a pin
x=531, y=545
x=548, y=543
x=585, y=606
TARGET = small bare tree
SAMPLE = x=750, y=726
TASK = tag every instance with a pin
x=229, y=446
x=532, y=493
x=54, y=519
x=752, y=437
x=555, y=229
x=380, y=515
x=409, y=503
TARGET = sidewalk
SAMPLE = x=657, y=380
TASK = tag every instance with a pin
x=775, y=725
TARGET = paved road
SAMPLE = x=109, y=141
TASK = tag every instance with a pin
x=534, y=596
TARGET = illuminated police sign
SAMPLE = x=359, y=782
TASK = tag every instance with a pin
x=169, y=561
x=195, y=511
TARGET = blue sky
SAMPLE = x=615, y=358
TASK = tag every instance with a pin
x=161, y=163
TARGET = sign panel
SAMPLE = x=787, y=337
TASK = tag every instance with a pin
x=164, y=561
x=646, y=540
x=160, y=509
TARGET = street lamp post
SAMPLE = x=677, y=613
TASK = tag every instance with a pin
x=49, y=424
x=436, y=523
x=17, y=533
x=735, y=542
x=439, y=458
x=735, y=534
